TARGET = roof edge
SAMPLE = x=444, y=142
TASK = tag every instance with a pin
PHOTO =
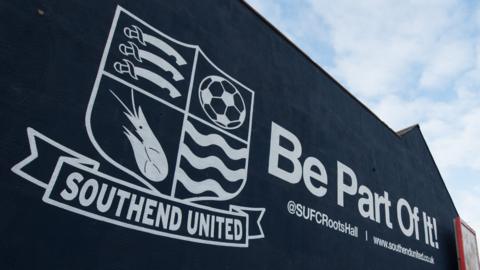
x=407, y=130
x=282, y=35
x=416, y=130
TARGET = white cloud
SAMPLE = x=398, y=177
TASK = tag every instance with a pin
x=450, y=59
x=460, y=147
x=378, y=45
x=451, y=128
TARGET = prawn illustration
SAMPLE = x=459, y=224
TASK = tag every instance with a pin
x=148, y=152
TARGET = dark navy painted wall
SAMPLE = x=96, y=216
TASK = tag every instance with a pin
x=48, y=65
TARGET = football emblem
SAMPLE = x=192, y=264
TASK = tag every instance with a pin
x=222, y=102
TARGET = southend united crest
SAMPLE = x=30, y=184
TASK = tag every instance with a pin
x=175, y=127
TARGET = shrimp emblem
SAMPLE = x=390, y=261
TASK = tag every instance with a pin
x=148, y=152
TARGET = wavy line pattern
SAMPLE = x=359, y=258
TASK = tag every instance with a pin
x=215, y=139
x=212, y=162
x=202, y=186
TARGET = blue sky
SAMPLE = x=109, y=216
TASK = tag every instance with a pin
x=412, y=61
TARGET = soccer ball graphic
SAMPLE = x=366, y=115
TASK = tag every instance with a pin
x=222, y=102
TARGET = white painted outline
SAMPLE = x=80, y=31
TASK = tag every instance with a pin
x=91, y=101
x=101, y=72
x=131, y=49
x=33, y=135
x=185, y=120
x=89, y=165
x=211, y=198
x=140, y=90
x=48, y=190
x=241, y=209
x=203, y=102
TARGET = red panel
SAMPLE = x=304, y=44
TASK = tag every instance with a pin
x=459, y=224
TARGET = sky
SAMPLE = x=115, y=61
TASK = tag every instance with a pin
x=411, y=62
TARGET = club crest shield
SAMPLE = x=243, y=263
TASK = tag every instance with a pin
x=174, y=127
x=168, y=115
